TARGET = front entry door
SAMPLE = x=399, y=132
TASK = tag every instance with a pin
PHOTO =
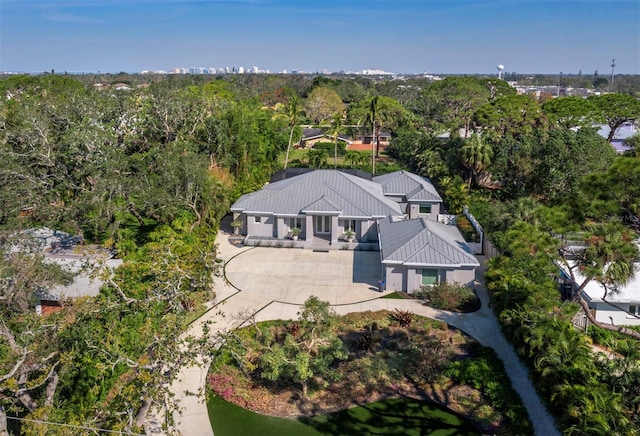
x=323, y=224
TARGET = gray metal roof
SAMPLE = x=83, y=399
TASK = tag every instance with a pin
x=412, y=186
x=87, y=281
x=315, y=133
x=422, y=242
x=292, y=172
x=337, y=191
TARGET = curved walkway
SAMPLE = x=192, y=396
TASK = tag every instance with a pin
x=234, y=306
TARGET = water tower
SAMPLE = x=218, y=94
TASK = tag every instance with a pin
x=500, y=69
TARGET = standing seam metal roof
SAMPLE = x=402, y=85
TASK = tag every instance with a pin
x=408, y=184
x=424, y=242
x=356, y=197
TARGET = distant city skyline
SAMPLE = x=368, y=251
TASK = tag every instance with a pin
x=402, y=36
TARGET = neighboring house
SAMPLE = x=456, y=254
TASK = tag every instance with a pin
x=311, y=136
x=619, y=141
x=87, y=263
x=622, y=305
x=395, y=213
x=417, y=195
x=382, y=137
x=422, y=252
x=87, y=269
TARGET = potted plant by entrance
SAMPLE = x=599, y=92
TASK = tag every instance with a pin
x=348, y=235
x=237, y=225
x=295, y=232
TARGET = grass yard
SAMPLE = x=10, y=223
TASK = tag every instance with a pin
x=395, y=416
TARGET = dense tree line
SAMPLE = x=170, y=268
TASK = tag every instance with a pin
x=537, y=174
x=146, y=174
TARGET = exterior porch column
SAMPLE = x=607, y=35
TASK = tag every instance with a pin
x=307, y=233
x=280, y=229
x=334, y=230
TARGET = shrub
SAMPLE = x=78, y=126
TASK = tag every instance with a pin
x=486, y=373
x=329, y=147
x=368, y=318
x=449, y=296
x=404, y=318
x=468, y=232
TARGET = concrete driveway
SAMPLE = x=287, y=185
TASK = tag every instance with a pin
x=291, y=275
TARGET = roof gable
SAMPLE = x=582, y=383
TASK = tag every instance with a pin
x=322, y=204
x=421, y=242
x=412, y=186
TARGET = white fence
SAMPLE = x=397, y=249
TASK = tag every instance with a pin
x=449, y=220
x=476, y=247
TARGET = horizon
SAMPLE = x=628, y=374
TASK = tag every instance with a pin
x=402, y=37
x=304, y=73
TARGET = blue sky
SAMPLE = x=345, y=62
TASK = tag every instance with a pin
x=412, y=36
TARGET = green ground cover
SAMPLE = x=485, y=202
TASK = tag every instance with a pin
x=400, y=416
x=393, y=296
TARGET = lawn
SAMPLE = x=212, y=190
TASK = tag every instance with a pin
x=397, y=416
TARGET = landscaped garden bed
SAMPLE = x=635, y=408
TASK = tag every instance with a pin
x=468, y=232
x=453, y=297
x=323, y=364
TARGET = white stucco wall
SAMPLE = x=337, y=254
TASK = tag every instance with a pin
x=464, y=276
x=395, y=276
x=307, y=228
x=606, y=313
x=409, y=279
x=369, y=231
x=263, y=229
x=413, y=210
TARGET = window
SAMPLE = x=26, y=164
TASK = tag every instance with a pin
x=348, y=225
x=323, y=224
x=429, y=277
x=634, y=310
x=256, y=219
x=295, y=223
x=425, y=208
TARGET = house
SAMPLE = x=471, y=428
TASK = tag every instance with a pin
x=382, y=138
x=419, y=252
x=417, y=195
x=323, y=204
x=395, y=213
x=621, y=306
x=619, y=140
x=87, y=269
x=311, y=136
x=86, y=263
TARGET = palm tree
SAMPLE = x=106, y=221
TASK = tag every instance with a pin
x=334, y=130
x=430, y=163
x=610, y=260
x=371, y=117
x=352, y=157
x=476, y=155
x=456, y=193
x=317, y=158
x=292, y=112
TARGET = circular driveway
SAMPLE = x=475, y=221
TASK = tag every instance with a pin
x=293, y=275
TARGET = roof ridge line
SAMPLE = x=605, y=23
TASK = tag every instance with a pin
x=455, y=247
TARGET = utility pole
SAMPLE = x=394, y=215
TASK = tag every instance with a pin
x=613, y=65
x=559, y=80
